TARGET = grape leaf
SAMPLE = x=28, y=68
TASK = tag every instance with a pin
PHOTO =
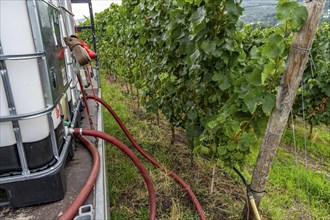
x=233, y=8
x=194, y=56
x=222, y=150
x=269, y=70
x=255, y=77
x=244, y=142
x=252, y=99
x=268, y=103
x=224, y=83
x=231, y=146
x=198, y=16
x=209, y=46
x=299, y=16
x=192, y=115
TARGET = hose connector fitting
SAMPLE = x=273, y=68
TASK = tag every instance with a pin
x=69, y=130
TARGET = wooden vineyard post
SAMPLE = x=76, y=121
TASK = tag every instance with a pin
x=296, y=61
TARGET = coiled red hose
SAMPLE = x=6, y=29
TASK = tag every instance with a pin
x=152, y=160
x=71, y=211
x=132, y=156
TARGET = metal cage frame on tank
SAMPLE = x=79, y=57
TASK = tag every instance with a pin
x=35, y=97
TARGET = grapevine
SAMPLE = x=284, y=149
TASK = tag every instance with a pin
x=200, y=66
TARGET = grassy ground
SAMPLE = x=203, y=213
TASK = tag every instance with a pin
x=284, y=200
x=289, y=172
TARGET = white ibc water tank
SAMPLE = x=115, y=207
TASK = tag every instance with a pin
x=17, y=39
x=23, y=75
x=67, y=29
x=28, y=97
x=7, y=137
x=68, y=17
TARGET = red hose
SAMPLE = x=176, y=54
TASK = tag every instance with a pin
x=87, y=68
x=85, y=101
x=152, y=160
x=132, y=156
x=71, y=211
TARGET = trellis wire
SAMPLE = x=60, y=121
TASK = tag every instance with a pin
x=296, y=160
x=305, y=141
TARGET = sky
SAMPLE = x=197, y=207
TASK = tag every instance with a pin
x=81, y=9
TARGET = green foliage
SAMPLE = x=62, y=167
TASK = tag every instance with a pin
x=316, y=81
x=206, y=73
x=280, y=201
x=291, y=14
x=86, y=34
